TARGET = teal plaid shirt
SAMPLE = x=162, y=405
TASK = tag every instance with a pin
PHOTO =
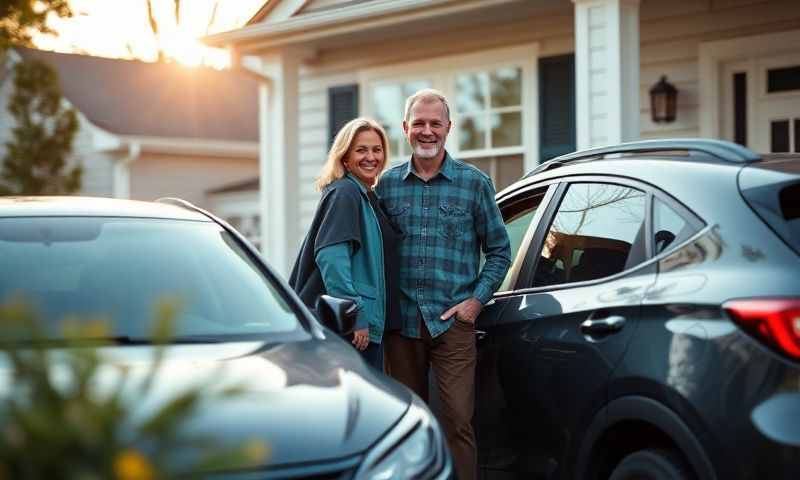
x=447, y=222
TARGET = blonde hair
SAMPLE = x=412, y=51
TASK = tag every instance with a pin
x=426, y=95
x=334, y=165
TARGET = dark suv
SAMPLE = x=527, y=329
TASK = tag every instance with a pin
x=649, y=326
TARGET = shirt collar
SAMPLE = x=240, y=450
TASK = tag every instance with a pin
x=446, y=170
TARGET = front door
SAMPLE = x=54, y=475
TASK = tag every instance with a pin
x=777, y=106
x=761, y=107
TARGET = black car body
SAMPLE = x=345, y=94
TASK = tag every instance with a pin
x=649, y=326
x=306, y=393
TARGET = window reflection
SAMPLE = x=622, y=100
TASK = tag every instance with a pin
x=598, y=231
x=388, y=104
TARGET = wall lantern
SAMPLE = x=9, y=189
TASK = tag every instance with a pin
x=663, y=101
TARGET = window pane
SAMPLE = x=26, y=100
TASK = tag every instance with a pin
x=410, y=88
x=387, y=101
x=506, y=129
x=669, y=227
x=518, y=216
x=471, y=91
x=783, y=79
x=596, y=232
x=506, y=85
x=779, y=136
x=472, y=133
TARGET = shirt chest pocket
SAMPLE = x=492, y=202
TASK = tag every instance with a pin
x=454, y=220
x=399, y=214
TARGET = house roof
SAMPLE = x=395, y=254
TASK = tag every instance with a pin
x=130, y=97
x=318, y=24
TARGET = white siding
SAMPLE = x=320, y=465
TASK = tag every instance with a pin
x=671, y=33
x=188, y=177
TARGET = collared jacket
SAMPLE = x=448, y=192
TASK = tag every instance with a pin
x=342, y=255
x=447, y=221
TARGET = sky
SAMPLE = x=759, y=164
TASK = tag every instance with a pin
x=120, y=29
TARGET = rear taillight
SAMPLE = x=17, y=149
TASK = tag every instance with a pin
x=774, y=321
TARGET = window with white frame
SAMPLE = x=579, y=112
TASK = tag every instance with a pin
x=489, y=109
x=387, y=104
x=491, y=101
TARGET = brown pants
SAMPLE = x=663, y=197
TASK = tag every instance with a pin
x=452, y=356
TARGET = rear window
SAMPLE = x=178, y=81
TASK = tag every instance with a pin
x=789, y=198
x=772, y=189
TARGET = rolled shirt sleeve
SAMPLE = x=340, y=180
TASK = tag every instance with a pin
x=495, y=245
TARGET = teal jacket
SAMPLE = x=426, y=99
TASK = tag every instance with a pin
x=354, y=268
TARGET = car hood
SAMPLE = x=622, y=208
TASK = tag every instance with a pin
x=308, y=401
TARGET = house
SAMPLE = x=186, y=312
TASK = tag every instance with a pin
x=149, y=130
x=528, y=79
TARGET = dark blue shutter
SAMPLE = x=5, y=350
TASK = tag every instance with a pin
x=556, y=106
x=342, y=107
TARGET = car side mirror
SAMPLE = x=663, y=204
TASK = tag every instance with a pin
x=338, y=314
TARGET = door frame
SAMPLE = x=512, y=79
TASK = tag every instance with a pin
x=713, y=56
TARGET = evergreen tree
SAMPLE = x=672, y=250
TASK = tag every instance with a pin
x=35, y=160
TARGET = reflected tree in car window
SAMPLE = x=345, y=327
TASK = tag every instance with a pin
x=597, y=228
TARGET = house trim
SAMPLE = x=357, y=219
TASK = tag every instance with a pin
x=441, y=74
x=712, y=56
x=347, y=19
x=192, y=146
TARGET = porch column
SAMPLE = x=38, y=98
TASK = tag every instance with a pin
x=121, y=172
x=278, y=146
x=606, y=71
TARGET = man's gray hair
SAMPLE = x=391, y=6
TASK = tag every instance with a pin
x=426, y=95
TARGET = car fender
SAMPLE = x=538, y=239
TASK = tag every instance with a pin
x=645, y=409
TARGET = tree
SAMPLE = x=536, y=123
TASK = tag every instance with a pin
x=35, y=160
x=19, y=18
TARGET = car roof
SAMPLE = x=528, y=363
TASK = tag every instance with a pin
x=68, y=206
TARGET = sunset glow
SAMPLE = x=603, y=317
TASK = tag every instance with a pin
x=120, y=29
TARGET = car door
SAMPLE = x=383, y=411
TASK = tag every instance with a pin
x=521, y=211
x=565, y=324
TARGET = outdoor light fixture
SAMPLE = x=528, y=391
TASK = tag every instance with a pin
x=663, y=101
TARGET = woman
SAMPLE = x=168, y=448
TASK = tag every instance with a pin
x=351, y=241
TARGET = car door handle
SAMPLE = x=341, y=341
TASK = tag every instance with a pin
x=611, y=324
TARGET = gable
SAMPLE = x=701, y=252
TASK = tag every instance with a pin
x=275, y=11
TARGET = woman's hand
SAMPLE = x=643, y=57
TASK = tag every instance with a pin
x=361, y=339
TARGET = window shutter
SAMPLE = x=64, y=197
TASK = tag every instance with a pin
x=342, y=107
x=556, y=106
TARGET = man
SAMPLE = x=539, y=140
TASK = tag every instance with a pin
x=447, y=212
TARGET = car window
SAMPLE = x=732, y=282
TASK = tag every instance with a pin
x=669, y=227
x=119, y=269
x=597, y=231
x=517, y=215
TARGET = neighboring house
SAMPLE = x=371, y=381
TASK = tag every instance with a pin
x=149, y=130
x=528, y=79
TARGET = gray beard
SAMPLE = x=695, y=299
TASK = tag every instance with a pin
x=420, y=152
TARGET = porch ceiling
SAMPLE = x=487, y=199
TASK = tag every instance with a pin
x=383, y=20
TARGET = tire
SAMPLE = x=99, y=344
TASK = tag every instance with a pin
x=652, y=465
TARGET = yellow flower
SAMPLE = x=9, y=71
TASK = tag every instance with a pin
x=132, y=465
x=256, y=451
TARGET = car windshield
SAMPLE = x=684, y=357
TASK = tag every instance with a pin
x=121, y=269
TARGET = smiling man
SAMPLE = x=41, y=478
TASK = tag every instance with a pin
x=446, y=210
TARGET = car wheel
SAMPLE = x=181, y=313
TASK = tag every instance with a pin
x=652, y=465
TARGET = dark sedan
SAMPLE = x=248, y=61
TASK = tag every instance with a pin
x=649, y=327
x=305, y=392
